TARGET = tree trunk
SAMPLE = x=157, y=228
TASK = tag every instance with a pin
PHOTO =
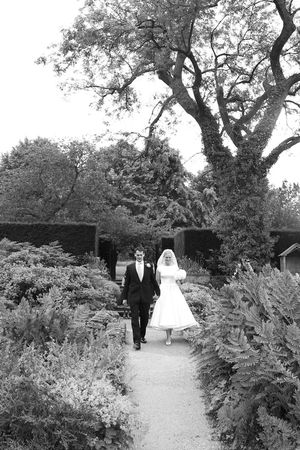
x=243, y=223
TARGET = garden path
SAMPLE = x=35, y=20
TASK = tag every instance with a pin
x=169, y=404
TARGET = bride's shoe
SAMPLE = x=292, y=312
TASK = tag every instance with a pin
x=169, y=342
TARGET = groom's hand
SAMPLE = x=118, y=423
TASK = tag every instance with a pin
x=124, y=302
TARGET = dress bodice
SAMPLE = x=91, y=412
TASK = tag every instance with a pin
x=167, y=274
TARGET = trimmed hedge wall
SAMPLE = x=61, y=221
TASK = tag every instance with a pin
x=190, y=241
x=108, y=252
x=167, y=242
x=193, y=240
x=74, y=238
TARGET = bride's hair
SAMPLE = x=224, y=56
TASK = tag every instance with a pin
x=161, y=259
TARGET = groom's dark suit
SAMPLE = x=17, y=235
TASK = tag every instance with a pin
x=139, y=295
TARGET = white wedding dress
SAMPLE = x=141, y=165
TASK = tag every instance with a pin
x=171, y=309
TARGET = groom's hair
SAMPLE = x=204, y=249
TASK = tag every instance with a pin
x=139, y=248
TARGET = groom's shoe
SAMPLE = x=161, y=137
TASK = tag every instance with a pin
x=137, y=346
x=143, y=340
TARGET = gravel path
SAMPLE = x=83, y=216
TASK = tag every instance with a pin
x=163, y=387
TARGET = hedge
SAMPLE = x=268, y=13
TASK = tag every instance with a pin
x=194, y=241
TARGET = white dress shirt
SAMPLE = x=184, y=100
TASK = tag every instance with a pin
x=140, y=269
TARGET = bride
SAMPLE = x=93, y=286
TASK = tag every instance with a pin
x=171, y=311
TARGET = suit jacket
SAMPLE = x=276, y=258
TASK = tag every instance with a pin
x=135, y=290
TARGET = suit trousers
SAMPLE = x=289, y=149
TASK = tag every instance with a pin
x=139, y=319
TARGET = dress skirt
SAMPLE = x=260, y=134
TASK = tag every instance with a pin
x=171, y=309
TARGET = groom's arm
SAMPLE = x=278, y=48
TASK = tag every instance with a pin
x=155, y=284
x=124, y=294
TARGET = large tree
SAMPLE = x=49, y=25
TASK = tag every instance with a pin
x=232, y=66
x=153, y=184
x=38, y=179
x=44, y=180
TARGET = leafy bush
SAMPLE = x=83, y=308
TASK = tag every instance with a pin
x=96, y=263
x=249, y=360
x=54, y=320
x=50, y=255
x=50, y=321
x=61, y=352
x=197, y=297
x=29, y=272
x=64, y=399
x=191, y=267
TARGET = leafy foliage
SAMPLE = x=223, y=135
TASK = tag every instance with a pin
x=39, y=178
x=29, y=273
x=248, y=359
x=131, y=194
x=197, y=297
x=62, y=363
x=63, y=399
x=191, y=266
x=26, y=254
x=284, y=206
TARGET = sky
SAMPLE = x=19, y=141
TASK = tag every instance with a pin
x=33, y=105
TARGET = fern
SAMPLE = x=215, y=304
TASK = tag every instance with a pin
x=293, y=344
x=250, y=341
x=276, y=434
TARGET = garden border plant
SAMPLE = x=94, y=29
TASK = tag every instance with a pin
x=248, y=359
x=62, y=372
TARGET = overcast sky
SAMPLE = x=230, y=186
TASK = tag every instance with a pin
x=32, y=104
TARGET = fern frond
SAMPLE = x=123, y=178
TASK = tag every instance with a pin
x=276, y=434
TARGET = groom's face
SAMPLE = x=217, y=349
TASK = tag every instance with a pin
x=139, y=256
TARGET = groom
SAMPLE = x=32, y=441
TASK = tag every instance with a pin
x=139, y=287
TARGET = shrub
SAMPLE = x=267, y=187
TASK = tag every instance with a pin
x=249, y=359
x=197, y=297
x=50, y=255
x=64, y=400
x=95, y=263
x=62, y=362
x=29, y=272
x=191, y=267
x=50, y=320
x=54, y=320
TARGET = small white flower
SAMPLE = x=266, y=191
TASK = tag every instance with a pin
x=148, y=265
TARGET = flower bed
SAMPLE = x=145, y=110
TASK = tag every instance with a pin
x=62, y=360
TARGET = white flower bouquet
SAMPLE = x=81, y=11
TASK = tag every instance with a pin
x=180, y=275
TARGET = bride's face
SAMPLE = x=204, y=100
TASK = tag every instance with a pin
x=168, y=259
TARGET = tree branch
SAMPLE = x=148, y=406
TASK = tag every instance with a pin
x=67, y=197
x=292, y=80
x=273, y=156
x=156, y=120
x=286, y=32
x=235, y=137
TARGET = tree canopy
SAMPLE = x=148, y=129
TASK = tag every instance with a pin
x=231, y=66
x=131, y=194
x=235, y=61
